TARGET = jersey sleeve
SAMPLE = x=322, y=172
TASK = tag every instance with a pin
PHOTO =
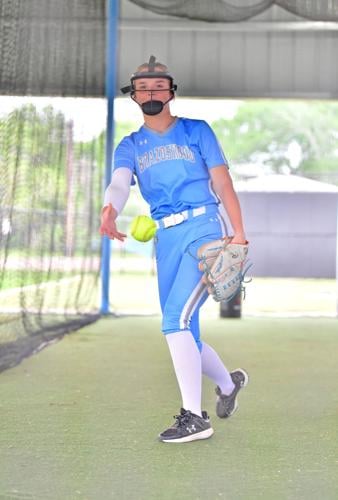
x=211, y=150
x=124, y=156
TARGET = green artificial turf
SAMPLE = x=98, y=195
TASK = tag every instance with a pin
x=80, y=419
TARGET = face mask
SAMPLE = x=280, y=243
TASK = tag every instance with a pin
x=154, y=107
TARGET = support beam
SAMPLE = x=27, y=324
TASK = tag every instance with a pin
x=111, y=64
x=240, y=27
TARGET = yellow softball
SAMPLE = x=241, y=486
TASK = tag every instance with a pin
x=143, y=228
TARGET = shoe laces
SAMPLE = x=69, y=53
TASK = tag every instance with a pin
x=183, y=418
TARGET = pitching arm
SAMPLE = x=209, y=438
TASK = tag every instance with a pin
x=115, y=198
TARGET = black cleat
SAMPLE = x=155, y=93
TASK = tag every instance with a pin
x=227, y=405
x=187, y=427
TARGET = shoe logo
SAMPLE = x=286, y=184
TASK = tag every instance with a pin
x=191, y=429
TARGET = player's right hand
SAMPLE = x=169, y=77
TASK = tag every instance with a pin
x=108, y=224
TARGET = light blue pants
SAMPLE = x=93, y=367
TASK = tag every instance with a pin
x=181, y=290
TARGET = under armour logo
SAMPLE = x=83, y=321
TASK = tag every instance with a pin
x=192, y=428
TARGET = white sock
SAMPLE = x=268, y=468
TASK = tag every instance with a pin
x=213, y=367
x=187, y=364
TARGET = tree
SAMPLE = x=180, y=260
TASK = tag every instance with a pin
x=283, y=136
x=32, y=149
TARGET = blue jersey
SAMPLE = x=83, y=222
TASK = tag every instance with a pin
x=172, y=167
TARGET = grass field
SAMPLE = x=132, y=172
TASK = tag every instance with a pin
x=264, y=296
x=19, y=278
x=131, y=276
x=80, y=419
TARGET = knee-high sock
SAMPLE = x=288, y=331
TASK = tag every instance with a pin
x=187, y=364
x=213, y=367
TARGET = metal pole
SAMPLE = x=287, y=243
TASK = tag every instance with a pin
x=70, y=207
x=111, y=64
x=337, y=263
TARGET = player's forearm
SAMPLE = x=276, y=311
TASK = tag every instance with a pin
x=117, y=196
x=117, y=193
x=224, y=189
x=233, y=209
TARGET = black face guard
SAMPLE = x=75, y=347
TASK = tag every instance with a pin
x=152, y=107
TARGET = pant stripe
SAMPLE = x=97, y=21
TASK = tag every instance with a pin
x=191, y=305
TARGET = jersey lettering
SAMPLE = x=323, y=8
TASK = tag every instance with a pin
x=165, y=153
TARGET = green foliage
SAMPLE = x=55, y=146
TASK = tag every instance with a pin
x=268, y=132
x=122, y=129
x=32, y=149
x=51, y=185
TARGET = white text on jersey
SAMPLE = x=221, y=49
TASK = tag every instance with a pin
x=164, y=153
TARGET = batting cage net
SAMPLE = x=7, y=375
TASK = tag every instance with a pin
x=51, y=185
x=51, y=170
x=239, y=10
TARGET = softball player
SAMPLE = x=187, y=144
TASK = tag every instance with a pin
x=183, y=175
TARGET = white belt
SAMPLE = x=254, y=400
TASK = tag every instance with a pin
x=174, y=219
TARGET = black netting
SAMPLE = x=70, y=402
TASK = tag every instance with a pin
x=52, y=48
x=58, y=48
x=51, y=173
x=239, y=10
x=51, y=190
